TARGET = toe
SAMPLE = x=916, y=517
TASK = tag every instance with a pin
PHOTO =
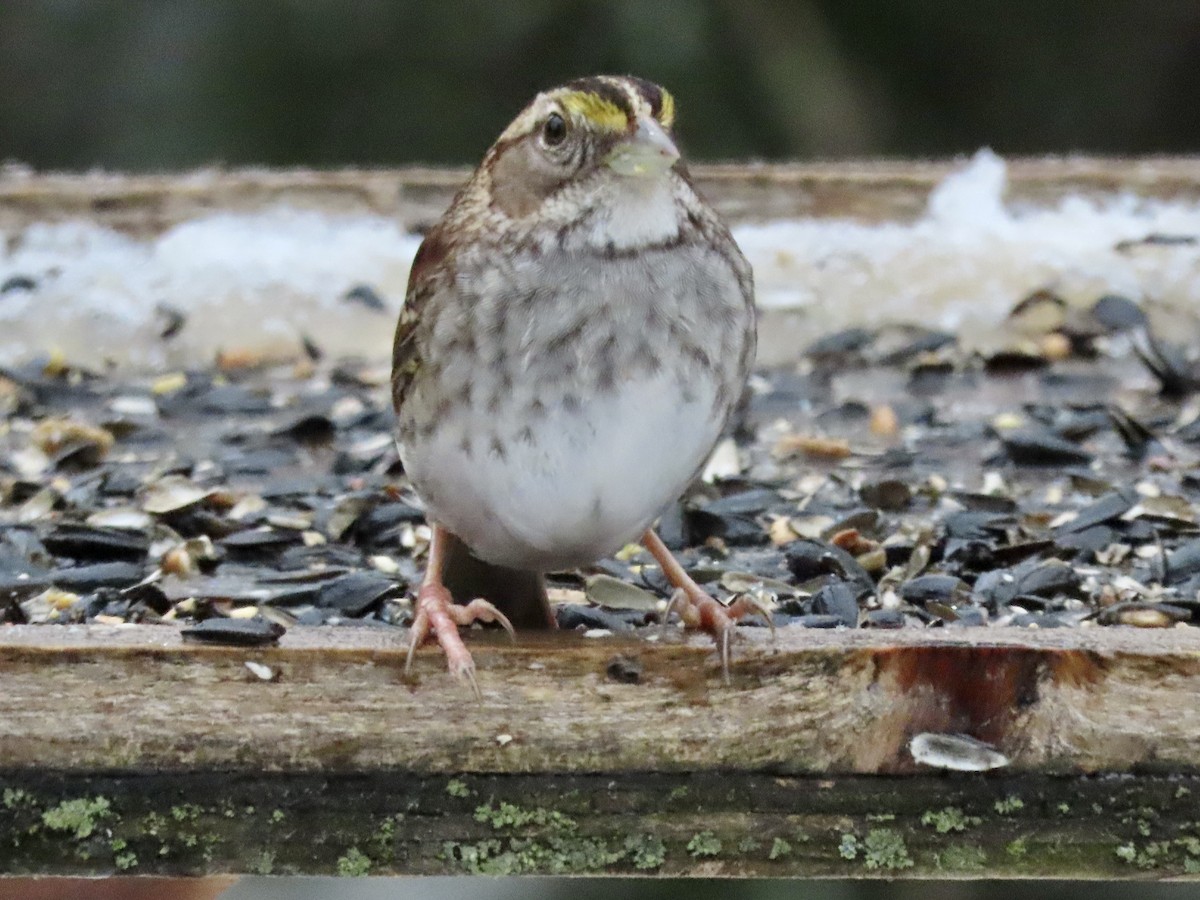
x=480, y=610
x=746, y=605
x=438, y=616
x=700, y=611
x=464, y=671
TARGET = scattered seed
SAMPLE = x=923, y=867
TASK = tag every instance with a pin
x=956, y=752
x=812, y=446
x=236, y=632
x=261, y=672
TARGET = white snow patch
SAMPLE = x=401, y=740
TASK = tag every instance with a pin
x=260, y=280
x=971, y=257
x=265, y=280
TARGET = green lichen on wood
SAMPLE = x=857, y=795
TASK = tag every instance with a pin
x=353, y=864
x=884, y=848
x=510, y=816
x=949, y=819
x=848, y=846
x=645, y=851
x=187, y=812
x=578, y=825
x=748, y=845
x=383, y=840
x=263, y=863
x=15, y=797
x=1181, y=853
x=961, y=858
x=704, y=843
x=81, y=816
x=1009, y=805
x=535, y=839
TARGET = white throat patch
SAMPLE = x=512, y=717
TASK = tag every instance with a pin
x=636, y=212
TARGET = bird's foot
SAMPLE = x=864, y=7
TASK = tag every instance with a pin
x=699, y=610
x=438, y=616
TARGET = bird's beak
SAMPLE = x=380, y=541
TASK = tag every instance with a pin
x=648, y=151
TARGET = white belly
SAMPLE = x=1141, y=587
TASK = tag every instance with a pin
x=591, y=390
x=578, y=485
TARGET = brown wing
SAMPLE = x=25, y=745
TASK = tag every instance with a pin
x=427, y=270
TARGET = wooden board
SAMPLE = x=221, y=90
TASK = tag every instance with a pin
x=800, y=767
x=817, y=702
x=145, y=205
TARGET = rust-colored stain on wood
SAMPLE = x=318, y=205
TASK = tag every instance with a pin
x=1077, y=668
x=981, y=691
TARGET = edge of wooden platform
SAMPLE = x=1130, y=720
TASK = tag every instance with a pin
x=865, y=190
x=812, y=702
x=126, y=750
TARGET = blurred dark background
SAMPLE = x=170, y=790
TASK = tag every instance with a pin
x=167, y=84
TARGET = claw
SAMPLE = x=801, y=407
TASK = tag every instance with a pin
x=480, y=610
x=413, y=641
x=726, y=653
x=749, y=605
x=438, y=616
x=466, y=673
x=698, y=610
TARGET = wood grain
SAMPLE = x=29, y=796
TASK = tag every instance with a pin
x=868, y=191
x=1063, y=701
x=124, y=749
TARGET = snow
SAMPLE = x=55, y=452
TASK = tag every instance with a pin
x=262, y=281
x=970, y=258
x=266, y=280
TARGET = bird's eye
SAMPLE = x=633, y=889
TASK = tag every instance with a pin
x=554, y=131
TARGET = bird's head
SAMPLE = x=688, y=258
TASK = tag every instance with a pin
x=589, y=133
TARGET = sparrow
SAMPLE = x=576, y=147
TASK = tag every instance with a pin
x=577, y=330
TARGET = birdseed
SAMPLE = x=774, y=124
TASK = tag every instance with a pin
x=891, y=479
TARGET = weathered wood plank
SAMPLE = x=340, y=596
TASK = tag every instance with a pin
x=131, y=749
x=703, y=823
x=868, y=191
x=1066, y=701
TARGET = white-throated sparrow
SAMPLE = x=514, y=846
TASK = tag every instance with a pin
x=577, y=329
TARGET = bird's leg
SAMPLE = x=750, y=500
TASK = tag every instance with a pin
x=437, y=615
x=697, y=608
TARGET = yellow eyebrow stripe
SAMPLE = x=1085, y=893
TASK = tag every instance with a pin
x=601, y=113
x=667, y=114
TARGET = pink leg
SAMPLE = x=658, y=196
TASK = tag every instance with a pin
x=438, y=616
x=697, y=608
